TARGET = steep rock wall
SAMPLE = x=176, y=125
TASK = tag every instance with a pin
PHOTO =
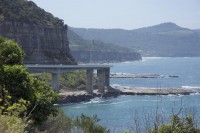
x=42, y=44
x=100, y=56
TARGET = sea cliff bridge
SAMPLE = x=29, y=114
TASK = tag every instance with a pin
x=103, y=74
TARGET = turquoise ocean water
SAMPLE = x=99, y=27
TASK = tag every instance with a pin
x=129, y=112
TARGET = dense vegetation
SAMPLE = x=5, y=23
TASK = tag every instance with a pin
x=20, y=93
x=27, y=12
x=27, y=104
x=177, y=125
x=74, y=80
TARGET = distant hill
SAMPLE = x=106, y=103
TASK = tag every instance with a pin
x=198, y=31
x=76, y=42
x=97, y=51
x=166, y=39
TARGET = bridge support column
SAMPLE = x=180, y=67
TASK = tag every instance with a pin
x=89, y=82
x=55, y=81
x=101, y=80
x=107, y=77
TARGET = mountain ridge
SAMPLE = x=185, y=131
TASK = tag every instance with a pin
x=166, y=39
x=97, y=51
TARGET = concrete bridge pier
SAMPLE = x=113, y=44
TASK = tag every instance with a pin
x=103, y=74
x=107, y=77
x=55, y=81
x=89, y=82
x=101, y=80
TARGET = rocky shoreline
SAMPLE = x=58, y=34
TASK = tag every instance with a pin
x=82, y=96
x=67, y=97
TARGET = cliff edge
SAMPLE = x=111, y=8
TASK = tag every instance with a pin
x=42, y=36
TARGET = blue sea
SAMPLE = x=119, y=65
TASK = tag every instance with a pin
x=137, y=112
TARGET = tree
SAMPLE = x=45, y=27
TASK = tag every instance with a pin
x=42, y=101
x=10, y=52
x=18, y=87
x=17, y=81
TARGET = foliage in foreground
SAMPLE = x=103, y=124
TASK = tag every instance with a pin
x=177, y=125
x=62, y=124
x=88, y=124
x=19, y=89
x=27, y=103
x=11, y=124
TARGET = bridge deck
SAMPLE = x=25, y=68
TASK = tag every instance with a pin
x=69, y=66
x=103, y=73
x=64, y=68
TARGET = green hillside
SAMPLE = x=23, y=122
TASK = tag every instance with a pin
x=78, y=43
x=166, y=39
x=26, y=12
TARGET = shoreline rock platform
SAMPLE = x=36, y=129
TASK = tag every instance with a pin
x=159, y=91
x=69, y=96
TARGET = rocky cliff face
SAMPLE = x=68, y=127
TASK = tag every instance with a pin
x=42, y=44
x=102, y=56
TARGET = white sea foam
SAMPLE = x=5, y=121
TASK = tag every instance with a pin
x=78, y=107
x=127, y=62
x=190, y=87
x=121, y=102
x=171, y=95
x=151, y=58
x=95, y=100
x=117, y=86
x=195, y=93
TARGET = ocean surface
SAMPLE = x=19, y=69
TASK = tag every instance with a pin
x=138, y=112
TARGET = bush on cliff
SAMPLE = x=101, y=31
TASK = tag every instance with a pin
x=26, y=12
x=72, y=80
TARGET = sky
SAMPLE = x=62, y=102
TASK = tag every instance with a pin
x=124, y=14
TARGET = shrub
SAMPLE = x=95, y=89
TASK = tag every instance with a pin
x=177, y=125
x=12, y=124
x=88, y=124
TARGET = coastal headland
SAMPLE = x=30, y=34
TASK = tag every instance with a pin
x=67, y=97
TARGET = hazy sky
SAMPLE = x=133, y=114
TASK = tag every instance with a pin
x=126, y=14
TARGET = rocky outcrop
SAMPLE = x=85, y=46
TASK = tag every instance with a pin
x=43, y=44
x=103, y=56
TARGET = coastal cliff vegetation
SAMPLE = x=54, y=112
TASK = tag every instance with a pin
x=26, y=12
x=42, y=36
